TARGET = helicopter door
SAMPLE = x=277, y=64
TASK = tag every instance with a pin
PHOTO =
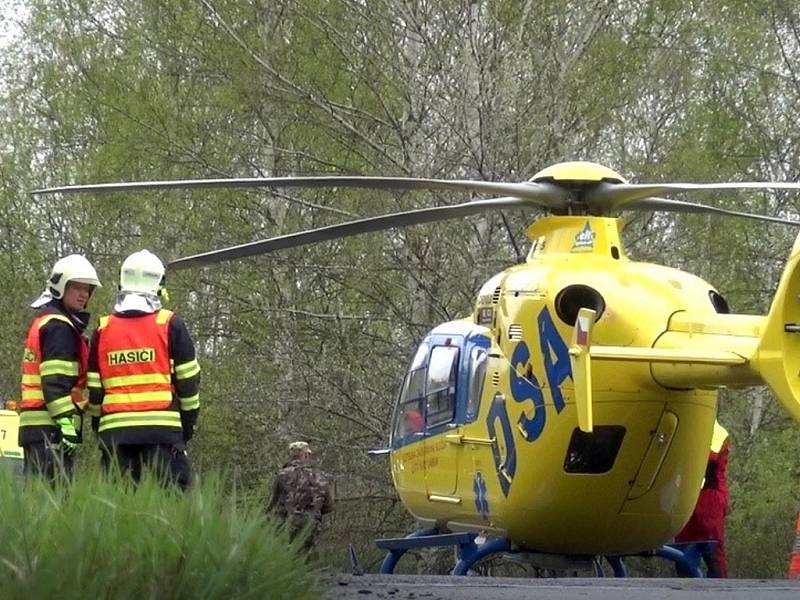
x=441, y=457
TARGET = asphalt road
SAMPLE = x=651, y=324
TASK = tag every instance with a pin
x=419, y=587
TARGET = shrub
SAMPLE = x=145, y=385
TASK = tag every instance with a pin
x=106, y=538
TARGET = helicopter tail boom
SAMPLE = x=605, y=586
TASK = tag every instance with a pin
x=778, y=355
x=690, y=354
x=702, y=351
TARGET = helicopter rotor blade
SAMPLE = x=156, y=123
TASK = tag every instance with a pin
x=342, y=230
x=609, y=197
x=668, y=205
x=544, y=194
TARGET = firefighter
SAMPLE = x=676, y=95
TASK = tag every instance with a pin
x=54, y=369
x=707, y=522
x=144, y=378
x=301, y=495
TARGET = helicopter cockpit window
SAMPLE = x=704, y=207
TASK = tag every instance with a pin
x=409, y=415
x=441, y=390
x=477, y=374
x=413, y=386
x=409, y=418
x=419, y=357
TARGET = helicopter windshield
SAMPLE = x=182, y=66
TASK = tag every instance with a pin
x=409, y=416
x=420, y=356
x=414, y=384
x=427, y=399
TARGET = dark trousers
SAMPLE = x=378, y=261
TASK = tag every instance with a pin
x=716, y=562
x=48, y=460
x=301, y=525
x=170, y=464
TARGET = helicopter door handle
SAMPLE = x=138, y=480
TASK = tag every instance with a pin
x=457, y=438
x=478, y=441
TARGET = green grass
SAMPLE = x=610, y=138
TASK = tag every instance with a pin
x=104, y=538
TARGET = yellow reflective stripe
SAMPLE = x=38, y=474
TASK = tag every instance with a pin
x=190, y=403
x=163, y=316
x=93, y=379
x=103, y=322
x=31, y=380
x=60, y=406
x=187, y=370
x=154, y=418
x=93, y=410
x=32, y=395
x=30, y=418
x=55, y=317
x=135, y=397
x=148, y=378
x=59, y=367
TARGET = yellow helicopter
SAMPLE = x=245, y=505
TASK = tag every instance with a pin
x=572, y=412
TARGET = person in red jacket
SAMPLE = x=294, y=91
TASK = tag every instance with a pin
x=708, y=519
x=54, y=369
x=144, y=378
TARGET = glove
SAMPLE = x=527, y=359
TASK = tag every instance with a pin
x=69, y=436
x=188, y=421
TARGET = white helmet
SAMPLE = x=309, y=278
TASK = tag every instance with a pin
x=71, y=268
x=142, y=272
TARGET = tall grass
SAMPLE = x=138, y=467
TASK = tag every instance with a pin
x=105, y=538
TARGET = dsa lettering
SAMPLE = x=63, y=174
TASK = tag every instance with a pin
x=526, y=390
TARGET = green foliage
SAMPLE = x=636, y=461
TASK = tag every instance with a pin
x=103, y=538
x=765, y=488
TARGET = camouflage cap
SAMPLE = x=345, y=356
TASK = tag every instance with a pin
x=299, y=447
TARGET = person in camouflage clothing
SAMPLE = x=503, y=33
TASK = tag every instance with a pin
x=301, y=494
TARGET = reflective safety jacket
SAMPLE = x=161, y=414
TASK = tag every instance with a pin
x=143, y=379
x=54, y=366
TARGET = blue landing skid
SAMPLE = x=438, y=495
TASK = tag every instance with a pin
x=685, y=556
x=468, y=551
